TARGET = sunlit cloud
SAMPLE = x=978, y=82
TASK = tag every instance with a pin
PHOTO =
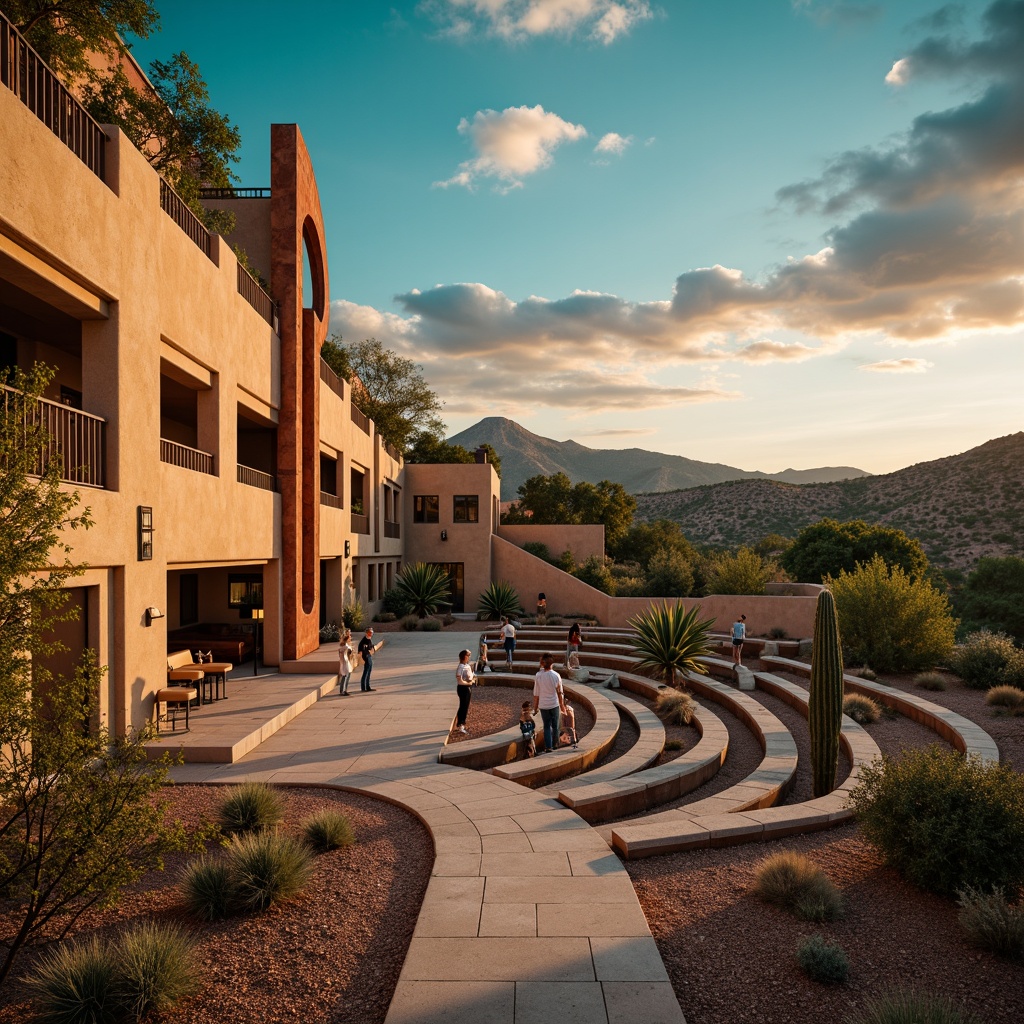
x=511, y=145
x=905, y=365
x=613, y=144
x=621, y=432
x=603, y=21
x=899, y=73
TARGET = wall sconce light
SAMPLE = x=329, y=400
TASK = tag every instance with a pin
x=153, y=613
x=348, y=548
x=444, y=535
x=144, y=525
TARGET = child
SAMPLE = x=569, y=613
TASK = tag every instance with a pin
x=569, y=725
x=482, y=664
x=528, y=726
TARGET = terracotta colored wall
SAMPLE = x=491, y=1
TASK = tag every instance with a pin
x=583, y=541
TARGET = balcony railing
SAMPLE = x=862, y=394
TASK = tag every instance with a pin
x=234, y=193
x=28, y=76
x=255, y=478
x=360, y=524
x=176, y=208
x=331, y=379
x=79, y=438
x=175, y=454
x=360, y=419
x=252, y=291
x=392, y=530
x=330, y=499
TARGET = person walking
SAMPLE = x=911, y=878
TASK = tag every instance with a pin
x=549, y=698
x=572, y=645
x=366, y=649
x=542, y=610
x=345, y=662
x=464, y=679
x=508, y=637
x=739, y=634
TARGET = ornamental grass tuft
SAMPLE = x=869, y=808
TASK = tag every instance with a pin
x=267, y=867
x=328, y=830
x=76, y=984
x=1007, y=698
x=156, y=966
x=252, y=807
x=935, y=681
x=903, y=1006
x=823, y=962
x=794, y=882
x=675, y=707
x=207, y=888
x=863, y=710
x=992, y=923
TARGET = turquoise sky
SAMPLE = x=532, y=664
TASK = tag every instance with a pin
x=552, y=259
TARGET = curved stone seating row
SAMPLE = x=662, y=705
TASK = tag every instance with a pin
x=960, y=732
x=697, y=825
x=608, y=798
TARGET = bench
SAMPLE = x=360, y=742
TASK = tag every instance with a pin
x=210, y=675
x=225, y=640
x=173, y=698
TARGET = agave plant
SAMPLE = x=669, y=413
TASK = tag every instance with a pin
x=670, y=639
x=498, y=601
x=425, y=588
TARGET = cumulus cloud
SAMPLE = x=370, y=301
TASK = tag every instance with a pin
x=621, y=432
x=899, y=73
x=601, y=20
x=906, y=365
x=842, y=12
x=510, y=145
x=613, y=144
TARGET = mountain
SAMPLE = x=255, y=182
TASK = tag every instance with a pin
x=524, y=454
x=961, y=508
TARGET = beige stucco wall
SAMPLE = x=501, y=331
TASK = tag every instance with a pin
x=583, y=541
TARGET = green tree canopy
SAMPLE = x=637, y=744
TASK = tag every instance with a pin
x=993, y=597
x=428, y=448
x=393, y=391
x=828, y=547
x=644, y=540
x=669, y=574
x=549, y=500
x=745, y=572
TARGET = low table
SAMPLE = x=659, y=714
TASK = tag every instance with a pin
x=215, y=673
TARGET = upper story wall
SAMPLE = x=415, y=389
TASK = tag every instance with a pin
x=583, y=541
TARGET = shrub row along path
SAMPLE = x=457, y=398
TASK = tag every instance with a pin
x=528, y=917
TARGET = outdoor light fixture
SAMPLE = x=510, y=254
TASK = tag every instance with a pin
x=444, y=535
x=348, y=548
x=144, y=528
x=257, y=621
x=153, y=613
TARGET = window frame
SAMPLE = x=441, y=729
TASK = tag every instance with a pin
x=421, y=511
x=466, y=508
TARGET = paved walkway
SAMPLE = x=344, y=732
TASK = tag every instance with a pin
x=528, y=917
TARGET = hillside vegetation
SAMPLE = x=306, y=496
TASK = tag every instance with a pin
x=961, y=508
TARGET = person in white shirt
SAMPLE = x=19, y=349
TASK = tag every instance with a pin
x=739, y=634
x=345, y=662
x=508, y=636
x=464, y=679
x=549, y=698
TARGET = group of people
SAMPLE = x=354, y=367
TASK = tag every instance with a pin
x=346, y=660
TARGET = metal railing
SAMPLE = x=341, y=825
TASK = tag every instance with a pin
x=360, y=524
x=256, y=478
x=176, y=208
x=175, y=454
x=252, y=291
x=392, y=530
x=330, y=499
x=360, y=419
x=331, y=379
x=79, y=438
x=209, y=192
x=29, y=77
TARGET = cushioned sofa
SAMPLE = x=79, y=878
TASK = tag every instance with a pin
x=227, y=641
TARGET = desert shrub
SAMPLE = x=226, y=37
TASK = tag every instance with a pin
x=447, y=619
x=992, y=923
x=267, y=867
x=674, y=745
x=669, y=574
x=595, y=573
x=930, y=681
x=795, y=883
x=868, y=673
x=863, y=710
x=207, y=888
x=251, y=807
x=395, y=602
x=987, y=659
x=328, y=830
x=828, y=548
x=745, y=572
x=352, y=615
x=425, y=587
x=409, y=623
x=156, y=966
x=675, y=707
x=500, y=600
x=822, y=961
x=892, y=621
x=908, y=1007
x=329, y=633
x=556, y=620
x=1008, y=697
x=993, y=596
x=777, y=633
x=538, y=550
x=76, y=984
x=385, y=617
x=944, y=820
x=430, y=625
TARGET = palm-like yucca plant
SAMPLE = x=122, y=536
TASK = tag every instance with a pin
x=425, y=587
x=670, y=639
x=499, y=601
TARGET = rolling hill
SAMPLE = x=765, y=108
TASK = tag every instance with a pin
x=961, y=508
x=525, y=454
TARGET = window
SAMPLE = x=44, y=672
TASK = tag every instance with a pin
x=188, y=598
x=466, y=508
x=245, y=590
x=426, y=508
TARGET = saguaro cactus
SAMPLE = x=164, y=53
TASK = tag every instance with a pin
x=825, y=716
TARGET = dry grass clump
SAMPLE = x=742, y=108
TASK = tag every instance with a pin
x=1006, y=697
x=823, y=962
x=328, y=830
x=675, y=707
x=908, y=1007
x=251, y=807
x=930, y=681
x=992, y=923
x=868, y=674
x=863, y=710
x=795, y=883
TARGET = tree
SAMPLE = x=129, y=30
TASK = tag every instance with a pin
x=78, y=816
x=430, y=449
x=644, y=540
x=669, y=574
x=388, y=388
x=554, y=500
x=892, y=621
x=670, y=639
x=828, y=547
x=596, y=574
x=993, y=597
x=744, y=572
